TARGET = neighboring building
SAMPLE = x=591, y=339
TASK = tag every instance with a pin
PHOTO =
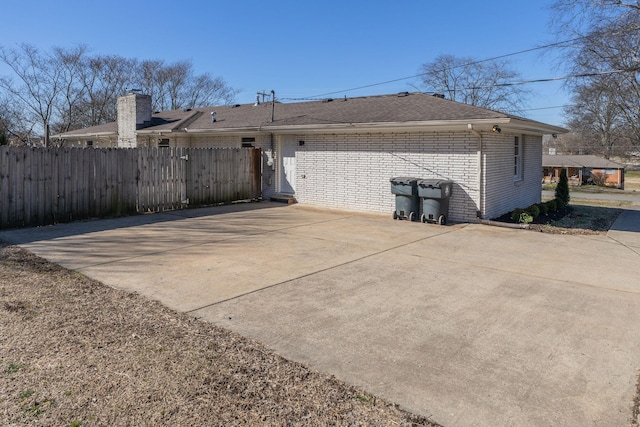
x=342, y=153
x=583, y=169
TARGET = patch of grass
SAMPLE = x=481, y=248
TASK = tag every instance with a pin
x=622, y=204
x=34, y=409
x=75, y=424
x=25, y=394
x=588, y=217
x=595, y=189
x=365, y=398
x=37, y=408
x=632, y=180
x=12, y=368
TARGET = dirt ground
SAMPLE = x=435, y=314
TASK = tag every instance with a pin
x=576, y=219
x=580, y=219
x=74, y=352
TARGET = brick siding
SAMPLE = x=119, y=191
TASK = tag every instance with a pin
x=352, y=171
x=503, y=193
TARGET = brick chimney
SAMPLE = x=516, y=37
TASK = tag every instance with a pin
x=134, y=112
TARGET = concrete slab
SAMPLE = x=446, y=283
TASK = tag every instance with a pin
x=589, y=260
x=626, y=230
x=467, y=345
x=468, y=324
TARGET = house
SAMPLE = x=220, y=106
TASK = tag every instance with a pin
x=583, y=169
x=342, y=152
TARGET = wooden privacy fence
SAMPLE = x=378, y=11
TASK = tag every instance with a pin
x=41, y=186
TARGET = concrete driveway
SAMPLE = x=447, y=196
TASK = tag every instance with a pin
x=469, y=324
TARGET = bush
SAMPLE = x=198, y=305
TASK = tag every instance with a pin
x=525, y=218
x=598, y=178
x=551, y=205
x=562, y=189
x=543, y=208
x=515, y=215
x=534, y=211
x=560, y=204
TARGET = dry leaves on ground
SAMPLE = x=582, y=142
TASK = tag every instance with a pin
x=75, y=352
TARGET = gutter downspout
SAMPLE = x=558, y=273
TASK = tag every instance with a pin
x=478, y=135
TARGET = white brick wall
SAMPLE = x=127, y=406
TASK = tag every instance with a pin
x=502, y=192
x=352, y=171
x=134, y=111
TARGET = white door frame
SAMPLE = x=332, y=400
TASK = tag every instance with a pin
x=282, y=186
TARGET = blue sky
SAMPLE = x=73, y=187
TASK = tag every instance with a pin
x=301, y=48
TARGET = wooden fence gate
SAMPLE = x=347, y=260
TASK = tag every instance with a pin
x=42, y=186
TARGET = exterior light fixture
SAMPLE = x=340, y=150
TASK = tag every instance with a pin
x=496, y=129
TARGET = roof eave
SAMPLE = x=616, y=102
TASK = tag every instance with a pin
x=506, y=123
x=533, y=127
x=86, y=135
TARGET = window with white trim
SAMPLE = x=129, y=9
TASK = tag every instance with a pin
x=517, y=158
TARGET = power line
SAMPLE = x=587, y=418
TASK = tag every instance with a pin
x=551, y=79
x=545, y=108
x=422, y=74
x=505, y=84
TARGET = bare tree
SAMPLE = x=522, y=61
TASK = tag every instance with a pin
x=609, y=33
x=150, y=78
x=4, y=123
x=175, y=86
x=579, y=17
x=595, y=115
x=205, y=90
x=40, y=82
x=481, y=83
x=66, y=89
x=177, y=78
x=70, y=65
x=17, y=128
x=104, y=79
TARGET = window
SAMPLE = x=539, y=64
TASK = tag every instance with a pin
x=247, y=142
x=517, y=158
x=89, y=143
x=164, y=142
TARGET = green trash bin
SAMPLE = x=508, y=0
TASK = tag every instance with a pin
x=435, y=195
x=407, y=201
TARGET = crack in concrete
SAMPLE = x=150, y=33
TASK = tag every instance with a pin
x=325, y=269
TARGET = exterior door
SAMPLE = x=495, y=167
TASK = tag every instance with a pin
x=287, y=172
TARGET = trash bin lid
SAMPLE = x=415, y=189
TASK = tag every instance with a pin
x=433, y=183
x=403, y=180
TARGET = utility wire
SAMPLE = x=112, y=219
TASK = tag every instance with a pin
x=545, y=108
x=422, y=74
x=551, y=79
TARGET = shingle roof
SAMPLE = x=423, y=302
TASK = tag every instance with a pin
x=93, y=130
x=579, y=161
x=405, y=108
x=362, y=110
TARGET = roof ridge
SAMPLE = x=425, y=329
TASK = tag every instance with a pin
x=187, y=120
